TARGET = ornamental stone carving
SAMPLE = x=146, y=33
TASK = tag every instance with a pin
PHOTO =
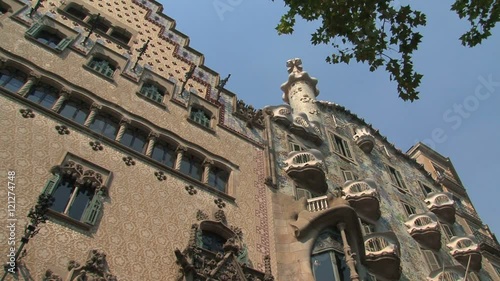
x=249, y=114
x=94, y=269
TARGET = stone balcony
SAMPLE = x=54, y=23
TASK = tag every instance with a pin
x=297, y=123
x=383, y=255
x=466, y=251
x=363, y=197
x=364, y=139
x=306, y=168
x=441, y=204
x=424, y=228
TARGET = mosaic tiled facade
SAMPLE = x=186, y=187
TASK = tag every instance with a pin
x=159, y=173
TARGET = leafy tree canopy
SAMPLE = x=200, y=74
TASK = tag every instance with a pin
x=380, y=33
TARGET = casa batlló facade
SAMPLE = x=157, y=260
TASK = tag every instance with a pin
x=157, y=172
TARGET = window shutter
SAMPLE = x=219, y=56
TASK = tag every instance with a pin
x=403, y=185
x=51, y=184
x=92, y=211
x=346, y=147
x=33, y=30
x=64, y=43
x=431, y=260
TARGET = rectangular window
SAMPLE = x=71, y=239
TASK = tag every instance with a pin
x=425, y=189
x=191, y=166
x=497, y=269
x=78, y=189
x=348, y=175
x=218, y=178
x=164, y=153
x=295, y=147
x=447, y=230
x=431, y=259
x=341, y=146
x=134, y=139
x=49, y=36
x=367, y=227
x=409, y=209
x=397, y=179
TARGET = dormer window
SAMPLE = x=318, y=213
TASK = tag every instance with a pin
x=200, y=116
x=153, y=92
x=77, y=11
x=102, y=66
x=121, y=35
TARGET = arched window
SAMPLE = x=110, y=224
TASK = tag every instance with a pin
x=75, y=110
x=218, y=178
x=164, y=153
x=327, y=259
x=12, y=79
x=105, y=125
x=200, y=116
x=43, y=94
x=191, y=166
x=135, y=139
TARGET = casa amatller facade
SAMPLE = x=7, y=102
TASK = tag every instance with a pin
x=157, y=172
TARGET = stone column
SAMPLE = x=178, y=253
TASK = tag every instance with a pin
x=180, y=153
x=207, y=164
x=349, y=256
x=32, y=79
x=300, y=91
x=93, y=112
x=153, y=136
x=123, y=126
x=63, y=95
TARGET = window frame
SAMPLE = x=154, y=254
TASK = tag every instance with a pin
x=346, y=173
x=81, y=106
x=49, y=90
x=166, y=145
x=86, y=177
x=447, y=230
x=397, y=179
x=341, y=147
x=425, y=189
x=206, y=113
x=227, y=173
x=189, y=173
x=407, y=207
x=49, y=25
x=433, y=264
x=161, y=92
x=107, y=117
x=13, y=73
x=110, y=63
x=135, y=133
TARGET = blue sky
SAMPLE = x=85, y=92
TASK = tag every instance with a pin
x=458, y=111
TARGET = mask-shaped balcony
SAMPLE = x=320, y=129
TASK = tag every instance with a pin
x=306, y=168
x=298, y=123
x=383, y=255
x=466, y=251
x=363, y=197
x=364, y=139
x=441, y=204
x=424, y=228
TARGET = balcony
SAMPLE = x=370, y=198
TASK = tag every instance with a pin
x=441, y=204
x=383, y=255
x=468, y=213
x=364, y=139
x=447, y=179
x=424, y=228
x=306, y=168
x=363, y=197
x=466, y=252
x=328, y=211
x=487, y=243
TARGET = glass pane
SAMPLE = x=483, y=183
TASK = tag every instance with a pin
x=127, y=138
x=14, y=84
x=81, y=201
x=139, y=143
x=62, y=194
x=98, y=124
x=322, y=266
x=212, y=242
x=164, y=154
x=81, y=116
x=4, y=77
x=49, y=100
x=36, y=95
x=68, y=110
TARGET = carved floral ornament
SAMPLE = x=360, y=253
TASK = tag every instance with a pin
x=94, y=269
x=81, y=174
x=198, y=263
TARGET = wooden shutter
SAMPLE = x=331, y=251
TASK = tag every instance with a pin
x=51, y=184
x=33, y=30
x=400, y=178
x=92, y=211
x=64, y=43
x=346, y=147
x=431, y=260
